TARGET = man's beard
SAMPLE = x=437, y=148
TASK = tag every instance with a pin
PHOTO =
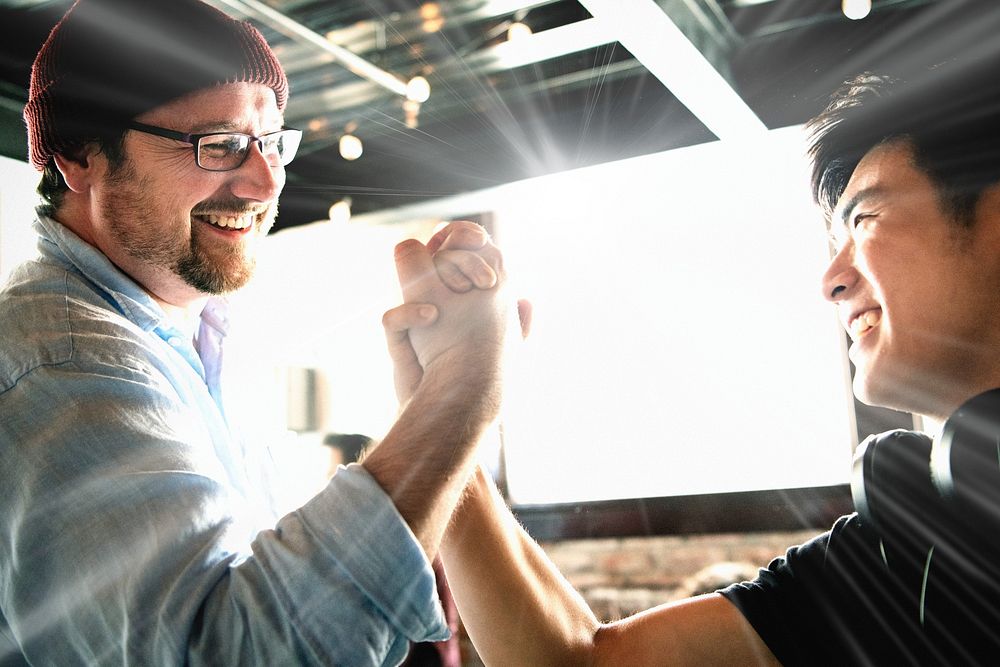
x=210, y=268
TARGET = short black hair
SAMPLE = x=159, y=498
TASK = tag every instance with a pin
x=948, y=114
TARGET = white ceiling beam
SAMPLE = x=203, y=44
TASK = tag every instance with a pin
x=656, y=41
x=540, y=46
x=349, y=60
x=548, y=44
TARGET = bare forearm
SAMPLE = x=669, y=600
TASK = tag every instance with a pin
x=516, y=606
x=424, y=462
x=519, y=610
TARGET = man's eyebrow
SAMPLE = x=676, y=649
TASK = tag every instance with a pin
x=858, y=197
x=211, y=127
x=215, y=126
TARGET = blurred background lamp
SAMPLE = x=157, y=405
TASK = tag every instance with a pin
x=340, y=212
x=518, y=30
x=856, y=9
x=430, y=10
x=350, y=147
x=418, y=89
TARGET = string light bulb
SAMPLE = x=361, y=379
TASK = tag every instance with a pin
x=351, y=147
x=856, y=9
x=340, y=212
x=418, y=89
x=518, y=30
x=429, y=11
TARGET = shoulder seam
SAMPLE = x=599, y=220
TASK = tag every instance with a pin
x=61, y=359
x=29, y=371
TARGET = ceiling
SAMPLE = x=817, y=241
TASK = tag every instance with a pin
x=597, y=80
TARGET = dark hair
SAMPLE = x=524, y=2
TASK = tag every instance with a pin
x=52, y=187
x=948, y=114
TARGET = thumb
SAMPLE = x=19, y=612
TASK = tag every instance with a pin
x=415, y=269
x=397, y=323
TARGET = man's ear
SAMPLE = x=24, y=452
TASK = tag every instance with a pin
x=80, y=168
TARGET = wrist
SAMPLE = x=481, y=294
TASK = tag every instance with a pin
x=474, y=367
x=461, y=385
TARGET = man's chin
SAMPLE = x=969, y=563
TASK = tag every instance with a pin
x=903, y=393
x=211, y=278
x=877, y=394
x=862, y=393
x=230, y=283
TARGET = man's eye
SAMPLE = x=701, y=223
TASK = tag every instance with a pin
x=220, y=147
x=859, y=218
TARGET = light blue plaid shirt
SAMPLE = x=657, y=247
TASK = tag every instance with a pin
x=130, y=522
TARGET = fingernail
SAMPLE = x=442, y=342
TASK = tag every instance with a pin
x=427, y=312
x=485, y=278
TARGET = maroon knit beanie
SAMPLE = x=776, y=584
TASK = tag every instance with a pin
x=107, y=61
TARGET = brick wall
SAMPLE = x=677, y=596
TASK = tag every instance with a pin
x=619, y=577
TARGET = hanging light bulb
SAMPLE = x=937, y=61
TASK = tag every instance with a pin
x=430, y=12
x=350, y=147
x=518, y=30
x=856, y=9
x=418, y=89
x=340, y=212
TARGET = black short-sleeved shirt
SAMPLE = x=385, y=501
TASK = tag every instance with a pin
x=843, y=598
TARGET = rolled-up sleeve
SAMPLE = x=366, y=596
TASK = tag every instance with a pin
x=123, y=541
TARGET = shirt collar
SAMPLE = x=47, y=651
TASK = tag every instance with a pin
x=59, y=243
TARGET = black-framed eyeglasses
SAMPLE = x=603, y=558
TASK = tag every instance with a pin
x=224, y=151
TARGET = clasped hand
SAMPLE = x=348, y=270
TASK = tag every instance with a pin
x=453, y=317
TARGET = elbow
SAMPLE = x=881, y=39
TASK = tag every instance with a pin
x=602, y=648
x=587, y=649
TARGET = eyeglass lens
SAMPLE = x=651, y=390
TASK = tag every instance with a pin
x=221, y=152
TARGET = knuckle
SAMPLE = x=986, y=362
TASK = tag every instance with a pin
x=469, y=235
x=492, y=255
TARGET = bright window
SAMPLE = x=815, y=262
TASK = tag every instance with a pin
x=680, y=341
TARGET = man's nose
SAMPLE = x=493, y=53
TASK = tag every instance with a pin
x=259, y=178
x=841, y=275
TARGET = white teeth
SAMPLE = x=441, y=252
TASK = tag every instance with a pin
x=864, y=322
x=229, y=221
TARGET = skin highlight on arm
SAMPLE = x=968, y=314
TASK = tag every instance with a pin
x=519, y=610
x=448, y=377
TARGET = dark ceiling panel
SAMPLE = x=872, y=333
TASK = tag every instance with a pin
x=501, y=135
x=485, y=124
x=796, y=52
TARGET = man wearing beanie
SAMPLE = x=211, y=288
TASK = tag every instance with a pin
x=135, y=528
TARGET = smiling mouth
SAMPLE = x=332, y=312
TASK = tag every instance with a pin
x=229, y=222
x=864, y=323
